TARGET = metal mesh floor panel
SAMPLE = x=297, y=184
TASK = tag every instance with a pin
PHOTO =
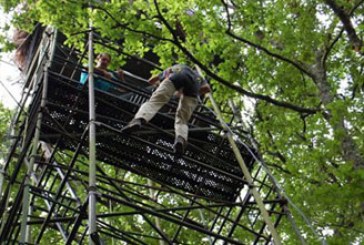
x=208, y=169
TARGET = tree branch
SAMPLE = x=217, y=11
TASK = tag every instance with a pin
x=238, y=89
x=331, y=46
x=126, y=26
x=259, y=47
x=344, y=17
x=279, y=167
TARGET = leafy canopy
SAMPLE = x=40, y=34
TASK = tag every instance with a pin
x=299, y=62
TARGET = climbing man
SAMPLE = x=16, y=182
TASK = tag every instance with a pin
x=189, y=84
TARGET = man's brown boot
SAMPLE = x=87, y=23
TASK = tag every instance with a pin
x=134, y=125
x=179, y=145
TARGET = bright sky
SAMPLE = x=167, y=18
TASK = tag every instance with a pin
x=9, y=73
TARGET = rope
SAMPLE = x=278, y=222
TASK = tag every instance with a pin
x=283, y=193
x=275, y=182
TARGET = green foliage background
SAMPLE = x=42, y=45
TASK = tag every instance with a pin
x=299, y=62
x=5, y=118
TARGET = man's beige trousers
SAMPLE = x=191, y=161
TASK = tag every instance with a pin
x=160, y=97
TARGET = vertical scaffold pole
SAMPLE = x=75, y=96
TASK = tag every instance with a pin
x=258, y=199
x=92, y=138
x=24, y=231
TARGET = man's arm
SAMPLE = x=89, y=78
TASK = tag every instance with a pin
x=204, y=87
x=153, y=80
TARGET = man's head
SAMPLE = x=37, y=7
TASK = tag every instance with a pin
x=103, y=60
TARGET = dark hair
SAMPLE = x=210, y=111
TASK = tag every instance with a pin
x=21, y=40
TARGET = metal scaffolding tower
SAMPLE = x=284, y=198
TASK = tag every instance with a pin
x=144, y=193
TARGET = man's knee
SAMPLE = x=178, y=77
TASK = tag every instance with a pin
x=160, y=97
